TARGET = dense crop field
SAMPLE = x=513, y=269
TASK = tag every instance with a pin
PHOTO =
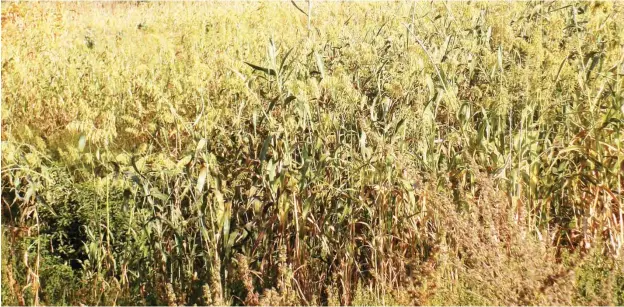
x=396, y=153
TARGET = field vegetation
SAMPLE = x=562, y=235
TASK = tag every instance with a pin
x=339, y=153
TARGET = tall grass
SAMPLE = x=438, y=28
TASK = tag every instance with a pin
x=261, y=153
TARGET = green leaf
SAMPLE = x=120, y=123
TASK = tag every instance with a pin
x=156, y=193
x=319, y=63
x=289, y=99
x=200, y=145
x=184, y=161
x=232, y=239
x=265, y=148
x=430, y=86
x=267, y=71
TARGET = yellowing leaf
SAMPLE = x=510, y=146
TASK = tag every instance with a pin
x=82, y=142
x=184, y=161
x=201, y=181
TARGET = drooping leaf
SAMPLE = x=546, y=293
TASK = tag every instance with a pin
x=267, y=71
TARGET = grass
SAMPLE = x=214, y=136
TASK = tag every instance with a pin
x=391, y=153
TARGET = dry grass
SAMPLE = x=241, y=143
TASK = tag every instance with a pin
x=374, y=154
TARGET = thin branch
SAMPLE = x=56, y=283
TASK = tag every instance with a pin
x=300, y=10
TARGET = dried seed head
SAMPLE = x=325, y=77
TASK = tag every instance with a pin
x=171, y=297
